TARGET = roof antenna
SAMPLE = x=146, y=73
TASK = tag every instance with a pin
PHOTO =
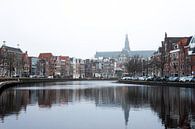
x=18, y=45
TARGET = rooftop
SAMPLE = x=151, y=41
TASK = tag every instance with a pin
x=12, y=49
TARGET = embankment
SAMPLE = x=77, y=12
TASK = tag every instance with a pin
x=159, y=83
x=10, y=82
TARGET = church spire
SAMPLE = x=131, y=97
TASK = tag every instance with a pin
x=126, y=48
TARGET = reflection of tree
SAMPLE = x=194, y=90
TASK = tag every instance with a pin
x=174, y=106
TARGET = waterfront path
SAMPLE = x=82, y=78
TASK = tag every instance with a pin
x=159, y=83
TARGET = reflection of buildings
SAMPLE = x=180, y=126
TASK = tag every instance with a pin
x=174, y=106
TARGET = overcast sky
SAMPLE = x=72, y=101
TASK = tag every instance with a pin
x=79, y=28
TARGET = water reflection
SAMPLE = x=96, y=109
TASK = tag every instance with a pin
x=175, y=107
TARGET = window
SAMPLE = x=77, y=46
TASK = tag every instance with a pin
x=175, y=46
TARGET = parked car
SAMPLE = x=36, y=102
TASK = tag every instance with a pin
x=149, y=78
x=173, y=79
x=40, y=76
x=15, y=75
x=193, y=79
x=176, y=79
x=165, y=78
x=142, y=78
x=33, y=76
x=50, y=77
x=189, y=78
x=157, y=79
x=126, y=78
x=135, y=78
x=182, y=79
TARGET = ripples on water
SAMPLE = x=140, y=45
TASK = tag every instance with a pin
x=96, y=105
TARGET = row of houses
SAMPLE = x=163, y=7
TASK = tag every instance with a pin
x=15, y=63
x=174, y=57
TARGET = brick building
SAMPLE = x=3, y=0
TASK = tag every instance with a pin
x=172, y=54
x=49, y=64
x=172, y=58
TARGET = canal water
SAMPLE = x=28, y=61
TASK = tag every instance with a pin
x=96, y=105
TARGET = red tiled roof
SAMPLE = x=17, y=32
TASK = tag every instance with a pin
x=64, y=57
x=45, y=55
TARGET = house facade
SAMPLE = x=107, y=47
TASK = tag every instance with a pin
x=174, y=52
x=11, y=61
x=49, y=63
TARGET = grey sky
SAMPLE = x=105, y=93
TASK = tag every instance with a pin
x=79, y=28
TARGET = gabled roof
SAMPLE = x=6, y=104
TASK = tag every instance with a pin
x=11, y=49
x=64, y=57
x=45, y=55
x=174, y=39
x=184, y=41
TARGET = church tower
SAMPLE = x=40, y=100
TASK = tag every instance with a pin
x=126, y=48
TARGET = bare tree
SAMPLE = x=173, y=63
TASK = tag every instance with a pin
x=158, y=63
x=134, y=65
x=11, y=63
